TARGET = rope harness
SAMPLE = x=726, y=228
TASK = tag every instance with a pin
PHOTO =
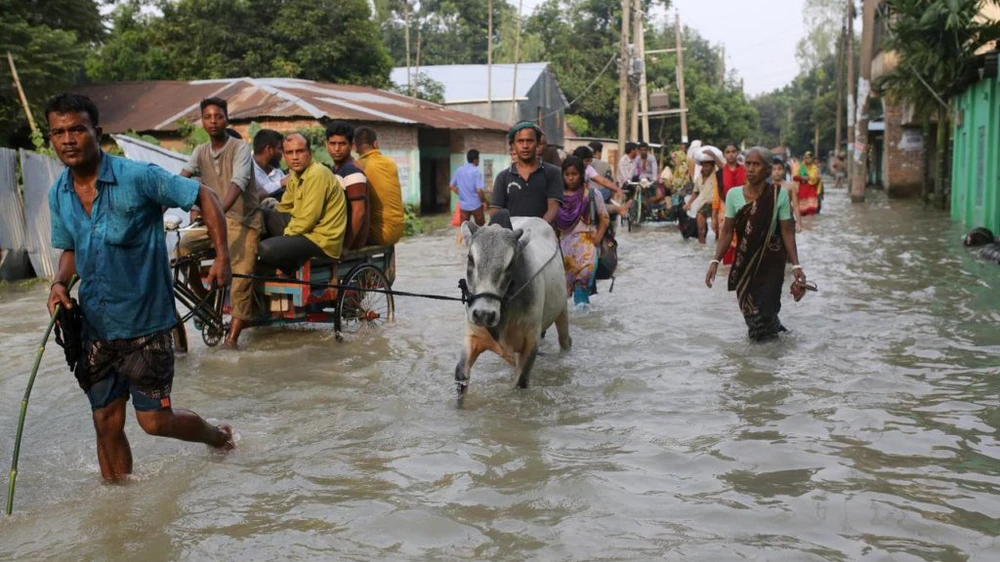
x=467, y=297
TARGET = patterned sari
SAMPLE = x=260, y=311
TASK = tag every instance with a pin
x=809, y=189
x=758, y=271
x=578, y=222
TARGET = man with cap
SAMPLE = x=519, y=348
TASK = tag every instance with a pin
x=530, y=187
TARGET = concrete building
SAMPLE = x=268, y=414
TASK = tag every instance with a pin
x=538, y=97
x=427, y=141
x=975, y=183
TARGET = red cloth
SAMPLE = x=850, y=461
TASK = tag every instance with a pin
x=456, y=219
x=733, y=178
x=808, y=199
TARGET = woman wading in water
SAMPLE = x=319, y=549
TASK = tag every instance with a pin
x=760, y=215
x=581, y=224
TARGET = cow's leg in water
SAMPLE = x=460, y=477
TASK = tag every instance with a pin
x=562, y=328
x=473, y=349
x=525, y=361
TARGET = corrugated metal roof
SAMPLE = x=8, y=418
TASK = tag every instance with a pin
x=467, y=82
x=160, y=105
x=142, y=151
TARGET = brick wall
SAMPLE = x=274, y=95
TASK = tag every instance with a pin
x=904, y=155
x=487, y=142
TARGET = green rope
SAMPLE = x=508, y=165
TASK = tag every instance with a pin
x=24, y=403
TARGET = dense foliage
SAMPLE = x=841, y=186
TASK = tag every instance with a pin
x=48, y=42
x=330, y=40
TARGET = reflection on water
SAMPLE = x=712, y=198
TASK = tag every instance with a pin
x=869, y=432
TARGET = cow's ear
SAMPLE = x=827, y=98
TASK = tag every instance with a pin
x=522, y=237
x=469, y=229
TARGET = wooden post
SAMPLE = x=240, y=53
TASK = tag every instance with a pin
x=850, y=82
x=640, y=32
x=840, y=94
x=489, y=60
x=416, y=72
x=406, y=33
x=624, y=61
x=680, y=76
x=517, y=53
x=860, y=174
x=20, y=94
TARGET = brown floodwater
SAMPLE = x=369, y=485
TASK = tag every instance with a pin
x=867, y=433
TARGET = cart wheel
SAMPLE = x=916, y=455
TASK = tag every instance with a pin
x=362, y=310
x=212, y=337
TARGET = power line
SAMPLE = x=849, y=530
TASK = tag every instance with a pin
x=589, y=86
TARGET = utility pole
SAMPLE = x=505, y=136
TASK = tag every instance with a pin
x=850, y=82
x=860, y=173
x=489, y=60
x=517, y=53
x=840, y=92
x=624, y=62
x=640, y=32
x=406, y=19
x=680, y=77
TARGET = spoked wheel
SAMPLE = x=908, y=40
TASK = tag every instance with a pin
x=633, y=214
x=211, y=335
x=363, y=310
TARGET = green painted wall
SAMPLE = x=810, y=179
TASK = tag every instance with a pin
x=975, y=181
x=491, y=164
x=408, y=163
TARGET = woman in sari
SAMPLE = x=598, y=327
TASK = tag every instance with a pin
x=581, y=223
x=759, y=214
x=810, y=185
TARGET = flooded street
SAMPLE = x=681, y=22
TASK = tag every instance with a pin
x=869, y=432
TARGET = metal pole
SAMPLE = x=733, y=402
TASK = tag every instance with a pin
x=517, y=53
x=680, y=77
x=623, y=77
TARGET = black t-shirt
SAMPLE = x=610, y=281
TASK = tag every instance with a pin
x=531, y=198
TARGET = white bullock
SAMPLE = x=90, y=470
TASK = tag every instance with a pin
x=516, y=290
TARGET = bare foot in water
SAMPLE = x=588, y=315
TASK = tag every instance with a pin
x=230, y=344
x=229, y=442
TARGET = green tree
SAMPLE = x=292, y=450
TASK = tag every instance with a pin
x=935, y=41
x=328, y=40
x=48, y=42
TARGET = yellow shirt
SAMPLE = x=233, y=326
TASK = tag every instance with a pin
x=386, y=197
x=318, y=207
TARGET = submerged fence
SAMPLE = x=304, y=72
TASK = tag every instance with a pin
x=24, y=214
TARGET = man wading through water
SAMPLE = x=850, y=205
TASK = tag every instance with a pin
x=107, y=217
x=530, y=187
x=225, y=165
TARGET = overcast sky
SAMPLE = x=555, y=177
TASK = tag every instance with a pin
x=759, y=36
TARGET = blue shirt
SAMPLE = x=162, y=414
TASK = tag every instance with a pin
x=120, y=249
x=469, y=181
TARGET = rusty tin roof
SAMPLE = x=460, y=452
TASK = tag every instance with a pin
x=161, y=105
